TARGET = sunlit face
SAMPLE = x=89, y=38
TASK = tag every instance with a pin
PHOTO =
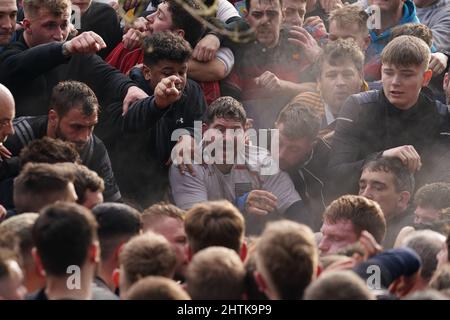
x=292, y=152
x=338, y=82
x=7, y=114
x=8, y=13
x=12, y=287
x=46, y=27
x=379, y=186
x=82, y=4
x=173, y=230
x=339, y=31
x=402, y=84
x=294, y=12
x=426, y=215
x=336, y=236
x=160, y=20
x=265, y=17
x=75, y=127
x=166, y=68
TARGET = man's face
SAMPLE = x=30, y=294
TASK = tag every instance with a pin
x=228, y=134
x=402, y=84
x=380, y=187
x=166, y=68
x=338, y=31
x=82, y=4
x=265, y=18
x=294, y=12
x=46, y=27
x=11, y=287
x=390, y=6
x=338, y=82
x=92, y=198
x=336, y=236
x=160, y=20
x=75, y=127
x=7, y=114
x=293, y=152
x=8, y=13
x=426, y=215
x=173, y=230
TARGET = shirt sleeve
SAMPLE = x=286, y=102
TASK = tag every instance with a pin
x=282, y=187
x=188, y=190
x=226, y=56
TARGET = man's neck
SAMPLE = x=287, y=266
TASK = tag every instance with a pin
x=390, y=19
x=105, y=273
x=27, y=39
x=58, y=288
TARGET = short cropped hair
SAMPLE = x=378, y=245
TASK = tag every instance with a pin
x=299, y=121
x=406, y=51
x=364, y=214
x=55, y=7
x=156, y=288
x=216, y=273
x=68, y=95
x=287, y=255
x=86, y=179
x=403, y=179
x=166, y=46
x=161, y=210
x=418, y=30
x=49, y=150
x=228, y=108
x=350, y=15
x=62, y=235
x=338, y=285
x=214, y=223
x=434, y=195
x=148, y=254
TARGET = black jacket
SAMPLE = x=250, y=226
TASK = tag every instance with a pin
x=368, y=124
x=94, y=155
x=31, y=74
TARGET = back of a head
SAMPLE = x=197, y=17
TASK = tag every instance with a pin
x=214, y=223
x=216, y=273
x=417, y=30
x=148, y=254
x=434, y=195
x=117, y=222
x=166, y=46
x=182, y=19
x=350, y=15
x=427, y=244
x=156, y=288
x=287, y=256
x=49, y=150
x=299, y=121
x=22, y=225
x=428, y=294
x=364, y=214
x=338, y=285
x=87, y=180
x=441, y=278
x=41, y=184
x=406, y=51
x=63, y=234
x=68, y=95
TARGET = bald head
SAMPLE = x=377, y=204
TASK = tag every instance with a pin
x=7, y=113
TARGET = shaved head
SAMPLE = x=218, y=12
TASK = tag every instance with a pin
x=7, y=113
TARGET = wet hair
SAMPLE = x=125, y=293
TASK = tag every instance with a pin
x=68, y=95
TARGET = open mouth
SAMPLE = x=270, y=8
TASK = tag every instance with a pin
x=396, y=93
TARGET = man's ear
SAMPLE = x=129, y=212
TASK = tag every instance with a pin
x=405, y=196
x=179, y=32
x=189, y=253
x=38, y=262
x=26, y=23
x=260, y=281
x=53, y=117
x=116, y=277
x=146, y=71
x=244, y=251
x=427, y=77
x=94, y=252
